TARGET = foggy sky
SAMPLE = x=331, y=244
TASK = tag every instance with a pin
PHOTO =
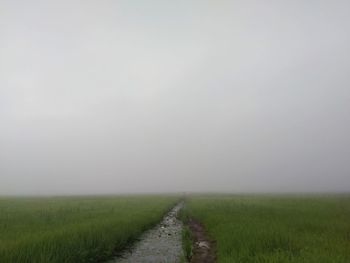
x=142, y=96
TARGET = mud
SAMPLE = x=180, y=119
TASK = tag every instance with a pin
x=161, y=244
x=202, y=246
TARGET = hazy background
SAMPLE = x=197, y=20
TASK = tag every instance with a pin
x=127, y=96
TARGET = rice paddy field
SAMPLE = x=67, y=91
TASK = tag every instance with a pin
x=275, y=228
x=75, y=229
x=243, y=228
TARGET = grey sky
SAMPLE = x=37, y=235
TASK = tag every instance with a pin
x=126, y=96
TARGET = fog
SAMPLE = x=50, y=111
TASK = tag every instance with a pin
x=170, y=96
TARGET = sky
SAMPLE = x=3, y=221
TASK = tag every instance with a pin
x=119, y=96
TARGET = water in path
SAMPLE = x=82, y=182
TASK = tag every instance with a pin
x=162, y=244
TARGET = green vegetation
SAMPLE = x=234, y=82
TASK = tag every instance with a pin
x=186, y=235
x=74, y=229
x=186, y=242
x=276, y=228
x=246, y=228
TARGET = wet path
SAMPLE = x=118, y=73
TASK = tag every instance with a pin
x=202, y=246
x=159, y=245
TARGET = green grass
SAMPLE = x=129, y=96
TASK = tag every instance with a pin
x=74, y=229
x=186, y=242
x=276, y=228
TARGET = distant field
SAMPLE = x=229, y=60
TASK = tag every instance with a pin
x=276, y=229
x=74, y=229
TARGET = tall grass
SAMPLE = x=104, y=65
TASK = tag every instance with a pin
x=74, y=229
x=276, y=229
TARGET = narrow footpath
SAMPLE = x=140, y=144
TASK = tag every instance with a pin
x=202, y=246
x=162, y=244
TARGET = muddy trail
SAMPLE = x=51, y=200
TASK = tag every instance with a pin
x=202, y=246
x=160, y=244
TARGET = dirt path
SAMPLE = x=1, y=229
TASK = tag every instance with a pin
x=159, y=245
x=202, y=246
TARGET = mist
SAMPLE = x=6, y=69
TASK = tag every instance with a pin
x=170, y=96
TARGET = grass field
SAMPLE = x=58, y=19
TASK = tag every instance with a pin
x=276, y=228
x=74, y=229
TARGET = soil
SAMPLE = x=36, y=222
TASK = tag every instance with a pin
x=202, y=246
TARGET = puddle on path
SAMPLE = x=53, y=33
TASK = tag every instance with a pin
x=160, y=244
